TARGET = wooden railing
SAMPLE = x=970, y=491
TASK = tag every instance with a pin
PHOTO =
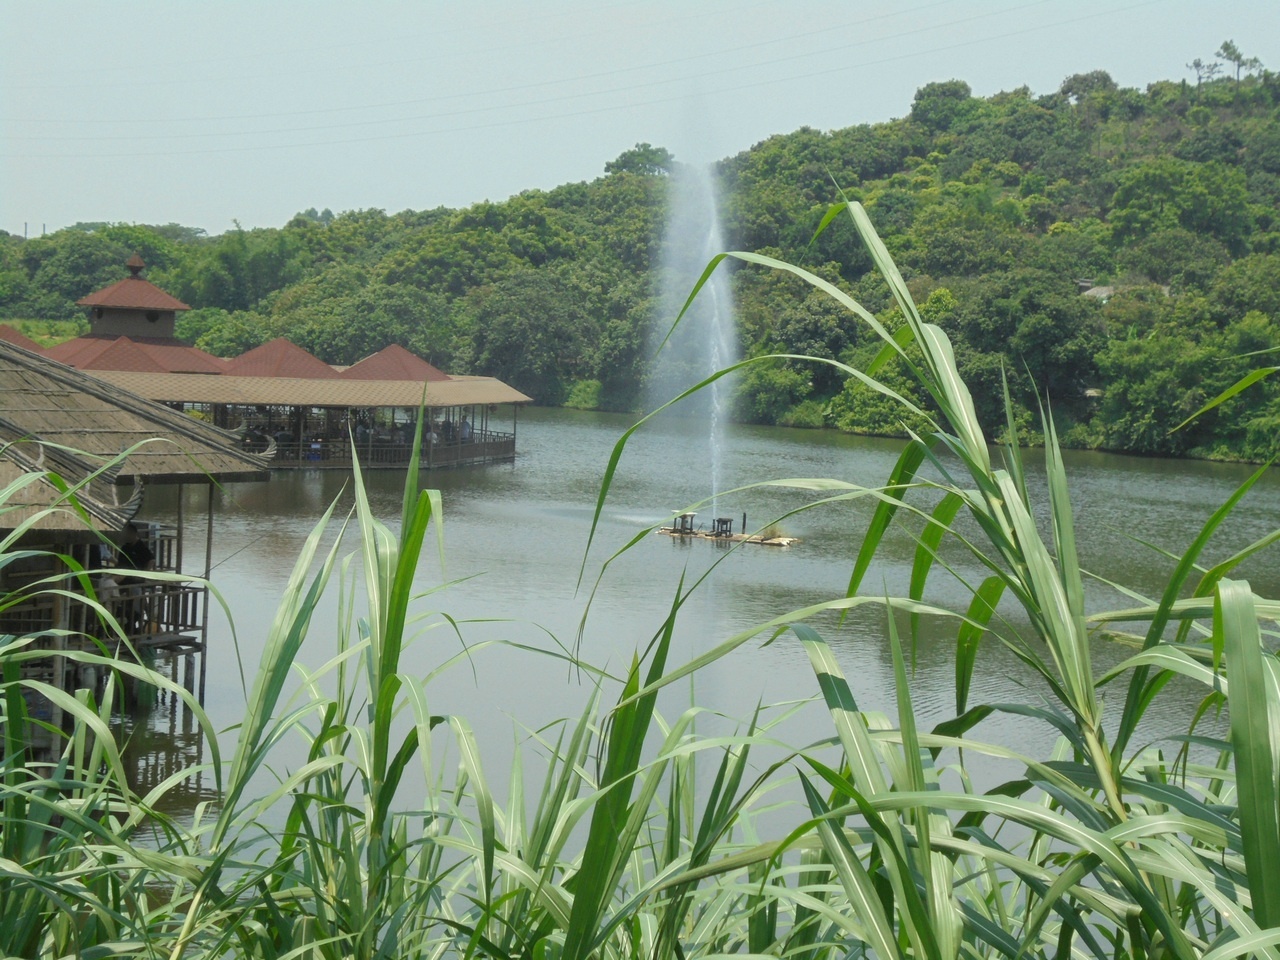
x=484, y=447
x=143, y=610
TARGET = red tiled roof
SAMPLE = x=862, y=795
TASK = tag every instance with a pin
x=280, y=358
x=124, y=354
x=10, y=335
x=393, y=363
x=133, y=293
x=75, y=353
x=144, y=354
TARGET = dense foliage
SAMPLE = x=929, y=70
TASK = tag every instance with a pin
x=997, y=209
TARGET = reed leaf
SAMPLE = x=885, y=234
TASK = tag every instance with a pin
x=1252, y=736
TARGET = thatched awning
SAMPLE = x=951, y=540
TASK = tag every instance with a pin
x=284, y=391
x=59, y=406
x=91, y=505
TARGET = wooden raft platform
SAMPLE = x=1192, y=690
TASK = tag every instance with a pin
x=721, y=532
x=731, y=538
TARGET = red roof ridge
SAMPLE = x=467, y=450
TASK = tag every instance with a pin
x=394, y=362
x=16, y=337
x=124, y=354
x=280, y=358
x=139, y=354
x=132, y=293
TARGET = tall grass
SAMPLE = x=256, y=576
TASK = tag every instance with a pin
x=638, y=837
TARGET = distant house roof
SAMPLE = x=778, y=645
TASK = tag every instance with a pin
x=10, y=335
x=159, y=354
x=133, y=293
x=393, y=363
x=43, y=400
x=1100, y=293
x=280, y=358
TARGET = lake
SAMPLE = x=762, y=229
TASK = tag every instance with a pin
x=516, y=539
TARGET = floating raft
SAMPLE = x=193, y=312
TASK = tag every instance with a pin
x=721, y=532
x=729, y=537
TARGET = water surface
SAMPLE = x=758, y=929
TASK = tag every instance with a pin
x=517, y=572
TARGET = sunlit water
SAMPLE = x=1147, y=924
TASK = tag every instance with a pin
x=518, y=575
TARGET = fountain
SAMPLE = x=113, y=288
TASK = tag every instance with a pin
x=705, y=340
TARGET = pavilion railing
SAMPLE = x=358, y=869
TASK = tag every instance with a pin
x=483, y=447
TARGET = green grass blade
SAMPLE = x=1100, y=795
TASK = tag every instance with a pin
x=857, y=883
x=1183, y=570
x=938, y=524
x=1248, y=380
x=981, y=609
x=1252, y=736
x=903, y=474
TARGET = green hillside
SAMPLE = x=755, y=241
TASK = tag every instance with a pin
x=998, y=210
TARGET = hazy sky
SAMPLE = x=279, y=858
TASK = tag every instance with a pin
x=205, y=113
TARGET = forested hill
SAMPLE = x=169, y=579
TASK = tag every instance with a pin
x=997, y=210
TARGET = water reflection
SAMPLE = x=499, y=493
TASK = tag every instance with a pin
x=516, y=535
x=160, y=738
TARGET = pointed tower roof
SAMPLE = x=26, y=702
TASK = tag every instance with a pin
x=10, y=335
x=393, y=363
x=133, y=293
x=280, y=358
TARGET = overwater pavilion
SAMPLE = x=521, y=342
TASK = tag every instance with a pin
x=107, y=445
x=313, y=417
x=280, y=392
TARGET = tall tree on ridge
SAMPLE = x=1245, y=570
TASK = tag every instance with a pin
x=1232, y=54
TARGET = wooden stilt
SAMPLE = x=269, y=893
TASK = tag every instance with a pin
x=204, y=607
x=177, y=560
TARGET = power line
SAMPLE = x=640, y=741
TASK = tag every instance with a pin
x=612, y=107
x=497, y=91
x=185, y=79
x=630, y=87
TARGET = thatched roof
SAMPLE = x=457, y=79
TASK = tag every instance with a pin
x=98, y=506
x=46, y=401
x=293, y=392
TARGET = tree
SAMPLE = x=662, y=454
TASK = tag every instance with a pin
x=644, y=159
x=1152, y=384
x=1079, y=86
x=528, y=329
x=1176, y=256
x=1204, y=71
x=70, y=264
x=817, y=327
x=940, y=106
x=1167, y=193
x=1252, y=283
x=1232, y=54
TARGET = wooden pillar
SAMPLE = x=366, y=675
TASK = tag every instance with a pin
x=177, y=559
x=204, y=606
x=61, y=626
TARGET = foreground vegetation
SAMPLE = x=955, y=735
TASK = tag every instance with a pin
x=388, y=840
x=994, y=209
